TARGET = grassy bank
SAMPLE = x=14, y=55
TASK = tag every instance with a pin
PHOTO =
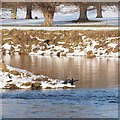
x=61, y=42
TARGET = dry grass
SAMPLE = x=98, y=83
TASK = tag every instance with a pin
x=27, y=84
x=14, y=72
x=23, y=36
x=29, y=38
x=4, y=68
x=11, y=87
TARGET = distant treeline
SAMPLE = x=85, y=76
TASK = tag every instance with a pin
x=49, y=8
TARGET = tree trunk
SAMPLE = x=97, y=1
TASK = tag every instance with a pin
x=83, y=13
x=13, y=13
x=29, y=11
x=99, y=11
x=48, y=18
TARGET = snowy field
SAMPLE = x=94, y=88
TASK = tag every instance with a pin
x=57, y=28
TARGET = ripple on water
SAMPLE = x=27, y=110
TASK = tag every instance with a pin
x=67, y=96
x=79, y=103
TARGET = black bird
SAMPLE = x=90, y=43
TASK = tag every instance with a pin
x=9, y=76
x=47, y=41
x=65, y=82
x=69, y=81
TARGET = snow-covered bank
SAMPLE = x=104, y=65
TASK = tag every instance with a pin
x=57, y=28
x=88, y=43
x=14, y=78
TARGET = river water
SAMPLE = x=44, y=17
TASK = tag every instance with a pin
x=93, y=73
x=96, y=94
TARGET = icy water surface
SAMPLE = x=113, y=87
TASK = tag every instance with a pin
x=75, y=103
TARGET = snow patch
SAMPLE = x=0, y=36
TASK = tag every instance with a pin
x=26, y=79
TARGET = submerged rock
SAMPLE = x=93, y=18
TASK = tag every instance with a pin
x=58, y=54
x=90, y=54
x=116, y=49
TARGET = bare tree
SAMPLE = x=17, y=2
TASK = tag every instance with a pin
x=48, y=9
x=83, y=11
x=99, y=7
x=14, y=13
x=99, y=10
x=13, y=7
x=29, y=10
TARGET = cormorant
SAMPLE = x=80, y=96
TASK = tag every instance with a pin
x=69, y=81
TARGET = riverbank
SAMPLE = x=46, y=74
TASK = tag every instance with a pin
x=14, y=78
x=88, y=43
